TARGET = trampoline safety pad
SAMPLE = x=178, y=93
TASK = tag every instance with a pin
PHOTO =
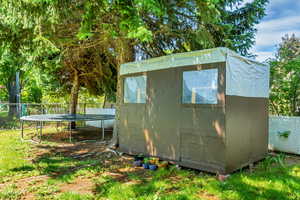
x=63, y=118
x=67, y=117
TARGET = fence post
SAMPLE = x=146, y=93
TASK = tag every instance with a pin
x=43, y=109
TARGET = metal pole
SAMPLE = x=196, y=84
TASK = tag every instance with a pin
x=102, y=125
x=37, y=129
x=41, y=130
x=18, y=94
x=70, y=129
x=22, y=129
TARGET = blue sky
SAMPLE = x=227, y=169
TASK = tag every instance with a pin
x=283, y=17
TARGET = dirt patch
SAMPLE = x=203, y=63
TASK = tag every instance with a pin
x=86, y=143
x=207, y=196
x=79, y=134
x=80, y=185
x=24, y=184
x=74, y=150
x=292, y=159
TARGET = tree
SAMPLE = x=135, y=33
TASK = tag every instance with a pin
x=189, y=25
x=241, y=19
x=88, y=40
x=285, y=81
x=67, y=61
x=10, y=65
x=8, y=79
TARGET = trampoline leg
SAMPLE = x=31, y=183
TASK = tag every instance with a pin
x=41, y=131
x=103, y=131
x=70, y=130
x=57, y=126
x=22, y=129
x=37, y=129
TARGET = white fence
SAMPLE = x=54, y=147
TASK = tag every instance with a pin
x=284, y=134
x=107, y=123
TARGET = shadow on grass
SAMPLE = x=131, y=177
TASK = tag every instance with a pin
x=26, y=168
x=61, y=162
x=116, y=179
x=79, y=134
x=276, y=184
x=137, y=185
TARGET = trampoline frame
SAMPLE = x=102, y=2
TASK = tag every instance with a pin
x=39, y=119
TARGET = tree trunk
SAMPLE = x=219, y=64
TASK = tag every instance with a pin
x=74, y=96
x=12, y=98
x=104, y=101
x=125, y=54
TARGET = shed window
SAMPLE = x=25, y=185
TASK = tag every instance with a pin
x=135, y=89
x=200, y=87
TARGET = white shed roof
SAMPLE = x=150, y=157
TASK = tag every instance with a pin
x=181, y=59
x=244, y=77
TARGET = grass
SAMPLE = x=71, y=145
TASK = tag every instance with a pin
x=10, y=192
x=74, y=196
x=13, y=156
x=46, y=171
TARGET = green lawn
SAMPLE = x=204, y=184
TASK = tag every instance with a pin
x=51, y=170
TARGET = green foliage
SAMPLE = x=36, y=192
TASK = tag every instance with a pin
x=284, y=134
x=285, y=82
x=239, y=21
x=62, y=40
x=273, y=160
x=3, y=95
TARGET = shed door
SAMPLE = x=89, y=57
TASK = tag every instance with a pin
x=161, y=133
x=202, y=115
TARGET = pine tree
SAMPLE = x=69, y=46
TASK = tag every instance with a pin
x=82, y=43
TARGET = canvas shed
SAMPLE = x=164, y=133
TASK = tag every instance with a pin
x=205, y=109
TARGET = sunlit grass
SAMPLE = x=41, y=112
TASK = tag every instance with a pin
x=270, y=180
x=74, y=196
x=10, y=192
x=13, y=155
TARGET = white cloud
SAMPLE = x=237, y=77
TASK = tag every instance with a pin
x=283, y=17
x=280, y=24
x=270, y=32
x=264, y=55
x=272, y=38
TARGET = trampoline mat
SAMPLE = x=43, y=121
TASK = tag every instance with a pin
x=67, y=117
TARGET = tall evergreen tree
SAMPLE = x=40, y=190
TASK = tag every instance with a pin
x=87, y=40
x=240, y=19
